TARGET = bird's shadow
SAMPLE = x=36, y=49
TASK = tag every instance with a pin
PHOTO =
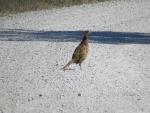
x=68, y=69
x=106, y=37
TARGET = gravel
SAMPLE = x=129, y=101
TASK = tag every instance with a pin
x=115, y=78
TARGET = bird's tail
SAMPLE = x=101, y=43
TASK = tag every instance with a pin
x=68, y=64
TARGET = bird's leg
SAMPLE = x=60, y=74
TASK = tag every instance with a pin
x=80, y=66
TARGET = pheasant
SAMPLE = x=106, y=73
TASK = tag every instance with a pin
x=80, y=53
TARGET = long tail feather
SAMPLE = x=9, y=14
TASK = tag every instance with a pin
x=68, y=64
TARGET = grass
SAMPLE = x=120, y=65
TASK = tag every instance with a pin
x=15, y=6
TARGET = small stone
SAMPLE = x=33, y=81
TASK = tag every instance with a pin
x=79, y=94
x=28, y=100
x=32, y=98
x=40, y=95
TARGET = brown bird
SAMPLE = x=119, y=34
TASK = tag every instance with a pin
x=80, y=53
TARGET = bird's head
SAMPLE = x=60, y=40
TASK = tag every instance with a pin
x=86, y=33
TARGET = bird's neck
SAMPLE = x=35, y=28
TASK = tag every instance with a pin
x=85, y=40
x=85, y=37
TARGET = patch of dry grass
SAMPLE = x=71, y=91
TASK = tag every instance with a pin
x=14, y=6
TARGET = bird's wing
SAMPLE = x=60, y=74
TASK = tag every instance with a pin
x=80, y=53
x=76, y=53
x=83, y=54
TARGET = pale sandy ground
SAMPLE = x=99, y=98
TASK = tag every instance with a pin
x=115, y=77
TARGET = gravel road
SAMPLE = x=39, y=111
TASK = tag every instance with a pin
x=115, y=76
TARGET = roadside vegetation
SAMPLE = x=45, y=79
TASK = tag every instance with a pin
x=15, y=6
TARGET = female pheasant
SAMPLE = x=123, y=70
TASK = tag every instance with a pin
x=80, y=52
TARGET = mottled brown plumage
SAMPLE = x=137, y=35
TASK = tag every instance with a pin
x=80, y=52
